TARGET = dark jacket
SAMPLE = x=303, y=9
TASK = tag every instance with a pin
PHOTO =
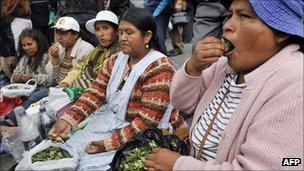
x=81, y=10
x=7, y=46
x=39, y=13
x=151, y=5
x=119, y=7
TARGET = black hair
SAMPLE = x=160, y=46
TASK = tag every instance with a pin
x=295, y=40
x=144, y=22
x=291, y=40
x=115, y=26
x=42, y=44
x=74, y=32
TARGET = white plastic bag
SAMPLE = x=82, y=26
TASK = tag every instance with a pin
x=17, y=89
x=58, y=99
x=12, y=143
x=61, y=164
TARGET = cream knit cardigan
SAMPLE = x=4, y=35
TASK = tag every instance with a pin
x=266, y=127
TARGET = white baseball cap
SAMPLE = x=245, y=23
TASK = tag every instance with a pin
x=101, y=16
x=67, y=23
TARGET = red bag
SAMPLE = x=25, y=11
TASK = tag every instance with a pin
x=8, y=104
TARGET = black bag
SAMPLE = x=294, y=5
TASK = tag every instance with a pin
x=171, y=142
x=179, y=18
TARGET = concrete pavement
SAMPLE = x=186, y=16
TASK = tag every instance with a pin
x=180, y=59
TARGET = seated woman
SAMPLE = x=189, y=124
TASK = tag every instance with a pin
x=85, y=71
x=32, y=52
x=248, y=107
x=130, y=94
x=33, y=57
x=69, y=49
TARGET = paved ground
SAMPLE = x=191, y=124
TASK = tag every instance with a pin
x=6, y=160
x=180, y=59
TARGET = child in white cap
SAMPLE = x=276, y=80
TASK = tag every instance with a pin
x=68, y=50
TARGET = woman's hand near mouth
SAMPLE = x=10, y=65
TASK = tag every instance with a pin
x=206, y=52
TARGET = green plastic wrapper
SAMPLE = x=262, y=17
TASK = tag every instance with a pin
x=74, y=92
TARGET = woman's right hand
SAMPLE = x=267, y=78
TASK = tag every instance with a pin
x=54, y=50
x=54, y=53
x=61, y=127
x=206, y=52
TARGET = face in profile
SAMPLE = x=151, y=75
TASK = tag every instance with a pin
x=105, y=33
x=29, y=46
x=65, y=37
x=254, y=41
x=130, y=38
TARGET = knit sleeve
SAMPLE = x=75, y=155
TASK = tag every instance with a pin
x=186, y=91
x=93, y=98
x=152, y=104
x=19, y=68
x=74, y=73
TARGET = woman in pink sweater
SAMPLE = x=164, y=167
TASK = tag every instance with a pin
x=248, y=105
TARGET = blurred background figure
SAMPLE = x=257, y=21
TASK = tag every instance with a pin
x=40, y=17
x=161, y=10
x=209, y=18
x=7, y=51
x=176, y=31
x=119, y=7
x=17, y=13
x=137, y=3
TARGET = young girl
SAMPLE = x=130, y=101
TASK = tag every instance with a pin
x=32, y=51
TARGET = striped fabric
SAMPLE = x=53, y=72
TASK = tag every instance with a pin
x=147, y=105
x=92, y=64
x=85, y=78
x=226, y=110
x=64, y=68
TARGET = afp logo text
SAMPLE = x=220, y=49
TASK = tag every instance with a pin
x=291, y=161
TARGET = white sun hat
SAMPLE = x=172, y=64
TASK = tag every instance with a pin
x=67, y=23
x=101, y=16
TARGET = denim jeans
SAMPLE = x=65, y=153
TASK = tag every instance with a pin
x=35, y=97
x=162, y=22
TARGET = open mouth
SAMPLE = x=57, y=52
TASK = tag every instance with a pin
x=229, y=47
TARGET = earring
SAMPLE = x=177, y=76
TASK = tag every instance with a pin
x=147, y=46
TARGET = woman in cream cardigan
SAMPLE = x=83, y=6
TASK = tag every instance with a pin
x=248, y=105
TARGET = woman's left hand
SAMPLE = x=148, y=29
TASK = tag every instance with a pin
x=161, y=159
x=95, y=147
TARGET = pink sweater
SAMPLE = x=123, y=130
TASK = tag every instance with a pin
x=266, y=127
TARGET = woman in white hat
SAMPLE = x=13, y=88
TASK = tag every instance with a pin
x=105, y=27
x=69, y=49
